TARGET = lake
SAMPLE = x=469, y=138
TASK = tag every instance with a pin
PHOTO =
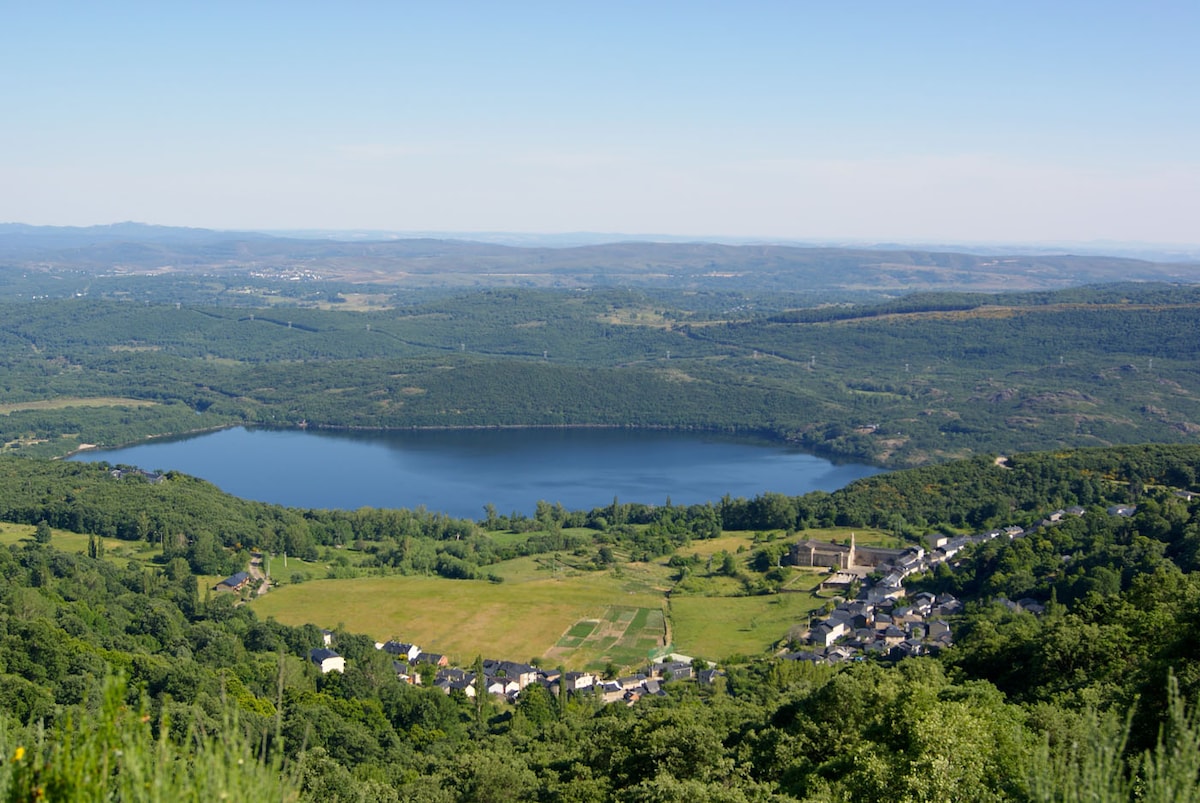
x=458, y=471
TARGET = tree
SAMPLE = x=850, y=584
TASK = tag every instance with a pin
x=480, y=687
x=42, y=533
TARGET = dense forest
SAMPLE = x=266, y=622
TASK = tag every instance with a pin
x=129, y=672
x=908, y=382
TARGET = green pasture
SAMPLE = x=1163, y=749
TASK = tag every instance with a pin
x=717, y=627
x=728, y=541
x=64, y=402
x=731, y=540
x=283, y=570
x=461, y=618
x=114, y=549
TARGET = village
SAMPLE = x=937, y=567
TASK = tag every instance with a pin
x=871, y=615
x=507, y=679
x=881, y=619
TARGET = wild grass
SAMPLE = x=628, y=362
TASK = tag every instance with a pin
x=114, y=549
x=73, y=401
x=113, y=754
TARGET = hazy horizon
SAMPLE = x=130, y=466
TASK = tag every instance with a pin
x=567, y=239
x=941, y=123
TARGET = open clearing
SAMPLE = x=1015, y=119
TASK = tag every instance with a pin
x=114, y=549
x=74, y=401
x=730, y=540
x=461, y=618
x=717, y=627
x=544, y=608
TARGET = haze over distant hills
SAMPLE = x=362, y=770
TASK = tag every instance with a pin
x=579, y=259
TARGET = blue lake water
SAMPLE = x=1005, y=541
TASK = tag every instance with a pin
x=458, y=471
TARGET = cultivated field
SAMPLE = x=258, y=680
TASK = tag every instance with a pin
x=623, y=636
x=546, y=608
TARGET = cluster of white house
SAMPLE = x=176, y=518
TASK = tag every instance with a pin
x=507, y=679
x=874, y=622
x=882, y=627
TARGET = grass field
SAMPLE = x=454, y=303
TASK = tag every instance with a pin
x=75, y=542
x=731, y=540
x=72, y=401
x=717, y=627
x=545, y=608
x=461, y=618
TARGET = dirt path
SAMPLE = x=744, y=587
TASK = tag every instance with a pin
x=256, y=573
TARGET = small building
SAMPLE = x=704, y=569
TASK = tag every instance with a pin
x=401, y=649
x=632, y=681
x=233, y=583
x=405, y=674
x=826, y=633
x=675, y=670
x=577, y=681
x=523, y=674
x=502, y=687
x=327, y=660
x=938, y=628
x=431, y=658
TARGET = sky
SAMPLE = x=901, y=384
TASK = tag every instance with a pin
x=869, y=121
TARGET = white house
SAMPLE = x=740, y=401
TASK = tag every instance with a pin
x=327, y=660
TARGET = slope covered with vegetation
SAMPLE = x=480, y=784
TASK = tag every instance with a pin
x=1023, y=707
x=905, y=383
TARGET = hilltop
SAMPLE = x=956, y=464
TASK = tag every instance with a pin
x=137, y=249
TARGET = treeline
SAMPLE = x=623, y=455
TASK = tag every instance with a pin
x=193, y=519
x=1116, y=293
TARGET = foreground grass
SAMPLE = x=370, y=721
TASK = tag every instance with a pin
x=113, y=753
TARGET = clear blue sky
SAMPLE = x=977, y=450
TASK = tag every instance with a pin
x=923, y=121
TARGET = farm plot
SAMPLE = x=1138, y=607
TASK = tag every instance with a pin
x=625, y=636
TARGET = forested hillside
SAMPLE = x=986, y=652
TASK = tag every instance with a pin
x=1023, y=707
x=915, y=381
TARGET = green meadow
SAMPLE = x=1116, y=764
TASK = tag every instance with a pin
x=461, y=618
x=545, y=608
x=114, y=549
x=717, y=627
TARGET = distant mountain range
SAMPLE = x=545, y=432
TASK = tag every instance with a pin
x=388, y=258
